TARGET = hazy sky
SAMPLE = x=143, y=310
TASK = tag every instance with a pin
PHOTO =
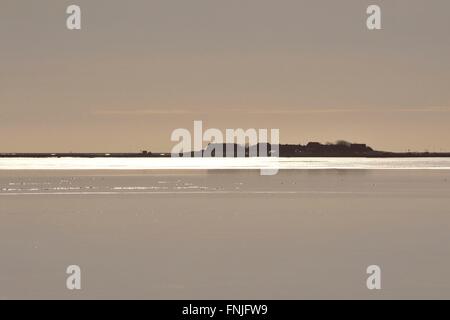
x=141, y=68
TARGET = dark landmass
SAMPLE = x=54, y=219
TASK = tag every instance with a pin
x=312, y=149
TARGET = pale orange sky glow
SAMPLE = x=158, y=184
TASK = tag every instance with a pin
x=140, y=69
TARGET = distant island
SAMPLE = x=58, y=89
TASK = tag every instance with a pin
x=312, y=149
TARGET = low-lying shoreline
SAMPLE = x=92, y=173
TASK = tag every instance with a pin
x=373, y=154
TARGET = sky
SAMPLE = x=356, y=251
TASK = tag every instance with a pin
x=140, y=69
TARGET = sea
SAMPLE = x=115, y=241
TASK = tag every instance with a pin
x=175, y=228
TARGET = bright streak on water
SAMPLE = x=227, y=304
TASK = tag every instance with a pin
x=222, y=163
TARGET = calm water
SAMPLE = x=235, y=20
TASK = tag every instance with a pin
x=220, y=163
x=224, y=234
